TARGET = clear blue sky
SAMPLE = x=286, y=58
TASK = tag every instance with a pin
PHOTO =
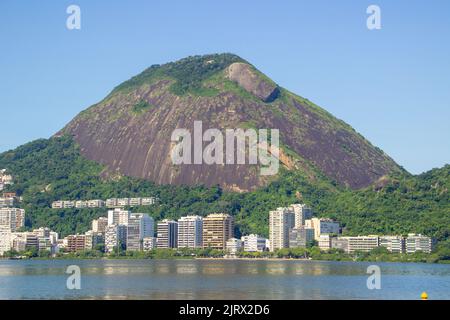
x=392, y=85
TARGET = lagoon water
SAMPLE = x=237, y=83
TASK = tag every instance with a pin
x=220, y=279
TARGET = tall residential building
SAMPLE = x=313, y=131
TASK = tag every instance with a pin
x=322, y=226
x=301, y=237
x=140, y=225
x=281, y=221
x=5, y=238
x=301, y=213
x=118, y=216
x=115, y=237
x=14, y=218
x=167, y=234
x=100, y=224
x=254, y=243
x=217, y=229
x=190, y=229
x=418, y=242
x=395, y=244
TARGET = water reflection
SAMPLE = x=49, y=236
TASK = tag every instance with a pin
x=219, y=279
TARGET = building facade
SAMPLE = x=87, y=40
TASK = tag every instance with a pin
x=254, y=243
x=301, y=237
x=323, y=226
x=217, y=229
x=167, y=234
x=190, y=232
x=281, y=221
x=118, y=216
x=301, y=213
x=140, y=225
x=394, y=244
x=418, y=242
x=233, y=246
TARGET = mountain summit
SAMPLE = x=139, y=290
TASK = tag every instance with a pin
x=130, y=130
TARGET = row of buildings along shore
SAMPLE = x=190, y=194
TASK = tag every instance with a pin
x=109, y=203
x=294, y=227
x=289, y=227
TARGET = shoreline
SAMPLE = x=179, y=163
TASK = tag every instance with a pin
x=217, y=259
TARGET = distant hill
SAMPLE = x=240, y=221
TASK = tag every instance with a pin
x=129, y=131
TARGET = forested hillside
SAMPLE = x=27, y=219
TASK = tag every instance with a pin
x=49, y=170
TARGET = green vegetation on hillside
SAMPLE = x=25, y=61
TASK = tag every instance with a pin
x=188, y=73
x=49, y=170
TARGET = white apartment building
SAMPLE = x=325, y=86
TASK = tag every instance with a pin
x=111, y=203
x=324, y=242
x=81, y=204
x=281, y=221
x=322, y=226
x=418, y=242
x=118, y=216
x=149, y=243
x=254, y=243
x=394, y=244
x=68, y=204
x=96, y=203
x=148, y=201
x=361, y=243
x=134, y=202
x=190, y=229
x=301, y=213
x=233, y=246
x=115, y=236
x=123, y=202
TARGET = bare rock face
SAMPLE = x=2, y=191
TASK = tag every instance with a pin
x=244, y=75
x=130, y=130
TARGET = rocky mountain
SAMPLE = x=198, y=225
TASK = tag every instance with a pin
x=130, y=130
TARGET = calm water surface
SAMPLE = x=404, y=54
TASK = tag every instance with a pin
x=220, y=279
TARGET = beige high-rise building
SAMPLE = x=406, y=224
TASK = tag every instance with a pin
x=322, y=226
x=217, y=229
x=281, y=221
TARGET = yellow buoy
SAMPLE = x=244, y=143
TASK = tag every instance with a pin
x=424, y=296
